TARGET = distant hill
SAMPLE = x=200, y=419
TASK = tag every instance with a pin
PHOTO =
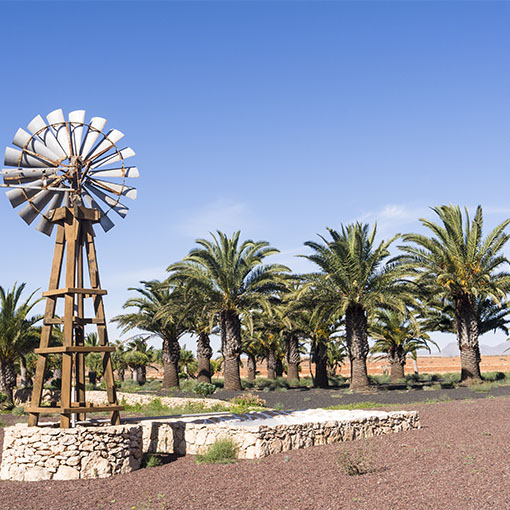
x=452, y=350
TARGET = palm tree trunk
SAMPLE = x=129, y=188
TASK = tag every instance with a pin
x=252, y=367
x=293, y=358
x=271, y=364
x=231, y=347
x=279, y=367
x=357, y=343
x=24, y=379
x=170, y=355
x=121, y=372
x=467, y=338
x=204, y=354
x=8, y=381
x=321, y=366
x=397, y=359
x=396, y=371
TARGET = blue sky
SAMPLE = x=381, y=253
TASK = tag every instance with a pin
x=276, y=118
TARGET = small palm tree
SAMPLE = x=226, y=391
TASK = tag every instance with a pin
x=235, y=280
x=93, y=360
x=353, y=282
x=396, y=336
x=18, y=335
x=456, y=264
x=138, y=356
x=119, y=359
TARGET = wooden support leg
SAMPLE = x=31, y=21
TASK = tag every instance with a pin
x=51, y=302
x=101, y=327
x=80, y=333
x=71, y=230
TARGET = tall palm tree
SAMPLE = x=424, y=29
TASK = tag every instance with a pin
x=18, y=335
x=396, y=336
x=151, y=300
x=353, y=282
x=293, y=325
x=457, y=264
x=200, y=323
x=235, y=280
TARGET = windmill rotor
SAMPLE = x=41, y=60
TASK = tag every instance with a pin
x=62, y=162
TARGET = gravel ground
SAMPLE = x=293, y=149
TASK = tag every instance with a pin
x=458, y=460
x=301, y=398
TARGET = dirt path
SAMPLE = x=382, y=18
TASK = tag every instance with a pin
x=458, y=460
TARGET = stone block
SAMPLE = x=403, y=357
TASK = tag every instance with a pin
x=66, y=473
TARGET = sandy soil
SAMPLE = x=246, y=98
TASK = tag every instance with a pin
x=458, y=460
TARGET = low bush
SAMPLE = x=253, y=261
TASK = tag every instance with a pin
x=150, y=460
x=248, y=401
x=204, y=389
x=357, y=461
x=222, y=451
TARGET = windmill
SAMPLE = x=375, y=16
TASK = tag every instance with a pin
x=61, y=171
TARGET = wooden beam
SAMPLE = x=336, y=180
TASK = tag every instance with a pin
x=76, y=320
x=74, y=409
x=74, y=348
x=74, y=290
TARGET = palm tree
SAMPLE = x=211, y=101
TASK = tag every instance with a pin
x=353, y=282
x=457, y=265
x=200, y=323
x=396, y=336
x=440, y=316
x=138, y=356
x=336, y=354
x=18, y=335
x=235, y=280
x=119, y=359
x=292, y=327
x=153, y=298
x=93, y=360
x=251, y=347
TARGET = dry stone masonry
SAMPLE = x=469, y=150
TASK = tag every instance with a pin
x=258, y=435
x=48, y=453
x=45, y=453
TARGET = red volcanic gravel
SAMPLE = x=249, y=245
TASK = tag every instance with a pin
x=459, y=460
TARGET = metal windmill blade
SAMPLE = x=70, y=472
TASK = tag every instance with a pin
x=64, y=162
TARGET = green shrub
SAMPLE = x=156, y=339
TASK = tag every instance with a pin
x=495, y=376
x=3, y=397
x=204, y=389
x=222, y=451
x=150, y=460
x=379, y=379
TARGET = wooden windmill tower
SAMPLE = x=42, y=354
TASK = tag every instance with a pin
x=59, y=173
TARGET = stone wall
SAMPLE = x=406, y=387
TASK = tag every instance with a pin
x=259, y=440
x=48, y=453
